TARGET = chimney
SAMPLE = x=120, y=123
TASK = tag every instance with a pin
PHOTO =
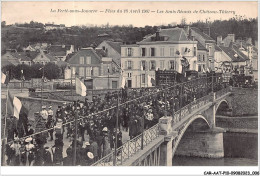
x=187, y=30
x=157, y=35
x=219, y=40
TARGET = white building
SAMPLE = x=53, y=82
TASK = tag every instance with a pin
x=165, y=50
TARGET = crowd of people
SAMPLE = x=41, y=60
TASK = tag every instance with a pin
x=136, y=109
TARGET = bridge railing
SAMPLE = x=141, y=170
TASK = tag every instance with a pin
x=130, y=148
x=222, y=92
x=188, y=109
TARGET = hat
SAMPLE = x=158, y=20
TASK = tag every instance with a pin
x=28, y=139
x=16, y=139
x=64, y=103
x=43, y=107
x=46, y=148
x=50, y=106
x=105, y=129
x=87, y=143
x=90, y=155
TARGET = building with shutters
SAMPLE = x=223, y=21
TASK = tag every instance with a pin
x=89, y=63
x=167, y=49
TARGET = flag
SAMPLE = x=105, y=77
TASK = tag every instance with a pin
x=123, y=82
x=149, y=81
x=81, y=89
x=15, y=106
x=5, y=78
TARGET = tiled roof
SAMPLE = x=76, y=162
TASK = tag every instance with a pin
x=22, y=56
x=84, y=51
x=171, y=34
x=217, y=48
x=205, y=36
x=115, y=45
x=232, y=51
x=58, y=50
x=101, y=52
x=52, y=59
x=201, y=47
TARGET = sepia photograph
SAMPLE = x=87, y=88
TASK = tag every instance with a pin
x=142, y=83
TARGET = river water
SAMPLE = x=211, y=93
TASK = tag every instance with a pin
x=240, y=149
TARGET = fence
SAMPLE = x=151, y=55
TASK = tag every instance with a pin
x=129, y=148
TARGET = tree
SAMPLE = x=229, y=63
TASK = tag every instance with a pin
x=3, y=24
x=51, y=71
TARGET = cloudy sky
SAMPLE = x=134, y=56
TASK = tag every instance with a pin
x=95, y=12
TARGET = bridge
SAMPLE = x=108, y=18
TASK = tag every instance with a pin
x=189, y=131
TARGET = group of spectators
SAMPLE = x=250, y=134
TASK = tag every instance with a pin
x=136, y=109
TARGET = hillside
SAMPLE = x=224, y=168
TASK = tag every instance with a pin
x=82, y=36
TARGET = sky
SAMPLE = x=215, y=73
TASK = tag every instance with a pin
x=119, y=13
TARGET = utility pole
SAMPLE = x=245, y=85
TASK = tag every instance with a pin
x=75, y=137
x=117, y=112
x=42, y=84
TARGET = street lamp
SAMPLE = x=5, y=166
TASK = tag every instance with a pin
x=108, y=77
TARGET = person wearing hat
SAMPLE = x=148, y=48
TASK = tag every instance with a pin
x=94, y=149
x=16, y=150
x=90, y=159
x=30, y=130
x=44, y=114
x=29, y=148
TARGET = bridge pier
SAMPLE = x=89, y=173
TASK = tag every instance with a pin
x=166, y=146
x=207, y=143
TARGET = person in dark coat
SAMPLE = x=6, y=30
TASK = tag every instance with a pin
x=47, y=157
x=94, y=149
x=30, y=130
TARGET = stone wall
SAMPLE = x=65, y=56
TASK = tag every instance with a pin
x=244, y=101
x=201, y=144
x=237, y=122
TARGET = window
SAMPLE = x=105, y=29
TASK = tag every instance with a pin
x=129, y=65
x=204, y=67
x=171, y=51
x=161, y=65
x=199, y=58
x=114, y=84
x=161, y=51
x=203, y=58
x=129, y=75
x=41, y=56
x=143, y=78
x=129, y=51
x=104, y=48
x=172, y=65
x=143, y=52
x=29, y=63
x=81, y=60
x=195, y=51
x=152, y=51
x=88, y=71
x=81, y=71
x=22, y=62
x=199, y=68
x=88, y=60
x=210, y=49
x=95, y=71
x=152, y=65
x=143, y=63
